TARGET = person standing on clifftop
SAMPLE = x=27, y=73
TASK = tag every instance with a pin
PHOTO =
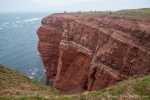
x=110, y=12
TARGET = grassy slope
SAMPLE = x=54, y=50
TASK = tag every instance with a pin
x=132, y=13
x=14, y=86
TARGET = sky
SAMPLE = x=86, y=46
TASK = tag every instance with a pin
x=70, y=5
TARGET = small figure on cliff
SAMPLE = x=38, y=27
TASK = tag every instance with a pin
x=64, y=11
x=110, y=12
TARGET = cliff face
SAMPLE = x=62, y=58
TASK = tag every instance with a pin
x=93, y=52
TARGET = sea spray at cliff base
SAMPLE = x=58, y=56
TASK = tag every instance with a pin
x=18, y=43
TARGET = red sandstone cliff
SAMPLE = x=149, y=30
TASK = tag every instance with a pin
x=93, y=52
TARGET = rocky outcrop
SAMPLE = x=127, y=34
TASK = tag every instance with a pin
x=89, y=53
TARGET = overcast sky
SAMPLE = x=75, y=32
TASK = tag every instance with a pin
x=70, y=5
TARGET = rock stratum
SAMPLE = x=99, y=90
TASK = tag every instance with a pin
x=89, y=53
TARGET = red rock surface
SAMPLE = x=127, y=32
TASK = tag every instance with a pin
x=93, y=52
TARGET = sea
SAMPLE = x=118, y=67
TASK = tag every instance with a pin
x=18, y=43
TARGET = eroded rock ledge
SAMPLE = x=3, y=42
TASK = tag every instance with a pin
x=93, y=52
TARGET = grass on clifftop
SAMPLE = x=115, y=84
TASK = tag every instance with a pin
x=136, y=13
x=132, y=13
x=14, y=86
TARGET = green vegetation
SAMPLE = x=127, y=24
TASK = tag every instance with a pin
x=143, y=88
x=132, y=13
x=136, y=13
x=14, y=86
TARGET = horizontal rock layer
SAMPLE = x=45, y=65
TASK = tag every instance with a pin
x=89, y=53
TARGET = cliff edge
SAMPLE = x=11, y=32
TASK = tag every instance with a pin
x=89, y=53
